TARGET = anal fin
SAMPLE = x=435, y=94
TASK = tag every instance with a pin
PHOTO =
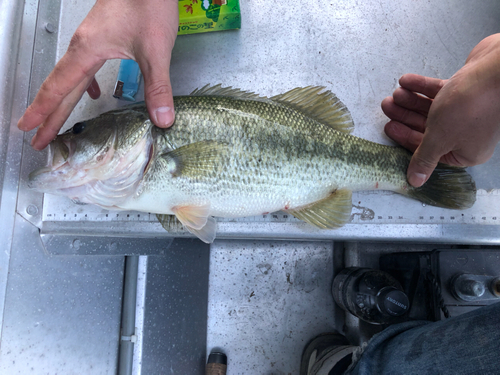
x=331, y=212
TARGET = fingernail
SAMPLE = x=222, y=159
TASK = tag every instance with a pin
x=164, y=116
x=417, y=179
x=20, y=124
x=33, y=141
x=94, y=92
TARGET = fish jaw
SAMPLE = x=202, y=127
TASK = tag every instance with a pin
x=109, y=180
x=61, y=171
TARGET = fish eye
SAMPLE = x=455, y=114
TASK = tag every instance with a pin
x=78, y=127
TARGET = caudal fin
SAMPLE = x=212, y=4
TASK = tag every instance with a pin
x=448, y=187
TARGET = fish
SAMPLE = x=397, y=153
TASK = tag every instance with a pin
x=232, y=153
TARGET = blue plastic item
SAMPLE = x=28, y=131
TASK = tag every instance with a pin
x=127, y=82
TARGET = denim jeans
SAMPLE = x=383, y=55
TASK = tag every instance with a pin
x=466, y=344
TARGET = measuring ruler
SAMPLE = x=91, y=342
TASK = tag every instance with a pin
x=377, y=207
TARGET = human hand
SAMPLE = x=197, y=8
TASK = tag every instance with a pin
x=114, y=29
x=455, y=121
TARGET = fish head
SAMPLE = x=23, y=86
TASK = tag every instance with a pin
x=98, y=161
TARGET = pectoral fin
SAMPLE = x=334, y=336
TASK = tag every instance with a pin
x=196, y=159
x=331, y=212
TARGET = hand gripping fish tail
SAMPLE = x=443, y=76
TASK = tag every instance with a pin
x=448, y=187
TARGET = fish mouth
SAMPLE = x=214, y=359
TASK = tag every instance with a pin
x=61, y=170
x=59, y=152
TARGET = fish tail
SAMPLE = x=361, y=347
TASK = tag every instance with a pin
x=448, y=187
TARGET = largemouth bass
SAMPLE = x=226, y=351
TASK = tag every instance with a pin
x=232, y=154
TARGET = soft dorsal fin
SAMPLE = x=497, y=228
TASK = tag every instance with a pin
x=218, y=90
x=332, y=212
x=319, y=104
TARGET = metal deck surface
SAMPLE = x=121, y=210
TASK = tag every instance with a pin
x=259, y=300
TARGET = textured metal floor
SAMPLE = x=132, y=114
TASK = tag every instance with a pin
x=267, y=299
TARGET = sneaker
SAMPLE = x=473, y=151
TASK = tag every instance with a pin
x=326, y=354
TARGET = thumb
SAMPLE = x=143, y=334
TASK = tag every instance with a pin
x=158, y=93
x=423, y=163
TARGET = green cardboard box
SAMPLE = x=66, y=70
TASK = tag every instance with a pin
x=201, y=16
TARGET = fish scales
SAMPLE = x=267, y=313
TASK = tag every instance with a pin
x=234, y=154
x=299, y=165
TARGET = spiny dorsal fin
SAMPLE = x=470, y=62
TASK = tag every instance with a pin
x=319, y=104
x=313, y=101
x=331, y=212
x=218, y=90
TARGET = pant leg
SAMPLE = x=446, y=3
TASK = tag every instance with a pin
x=466, y=344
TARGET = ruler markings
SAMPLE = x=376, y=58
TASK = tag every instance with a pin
x=382, y=208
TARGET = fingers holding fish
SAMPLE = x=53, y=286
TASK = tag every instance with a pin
x=153, y=52
x=409, y=117
x=403, y=135
x=424, y=161
x=423, y=85
x=150, y=33
x=158, y=92
x=412, y=101
x=49, y=129
x=60, y=83
x=58, y=96
x=410, y=104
